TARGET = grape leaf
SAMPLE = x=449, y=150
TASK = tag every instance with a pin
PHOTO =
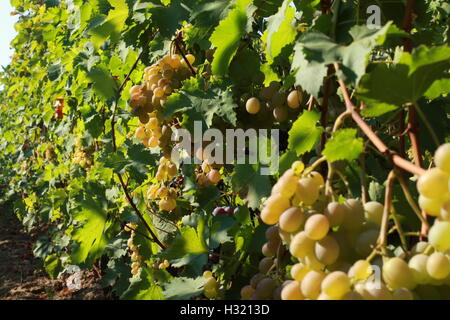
x=304, y=133
x=388, y=87
x=315, y=51
x=249, y=176
x=227, y=35
x=344, y=145
x=143, y=287
x=183, y=288
x=280, y=31
x=103, y=83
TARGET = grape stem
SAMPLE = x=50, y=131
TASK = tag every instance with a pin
x=392, y=156
x=184, y=56
x=399, y=230
x=382, y=238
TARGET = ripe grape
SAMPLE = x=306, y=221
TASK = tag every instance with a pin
x=292, y=219
x=256, y=279
x=307, y=191
x=442, y=157
x=360, y=270
x=373, y=290
x=336, y=284
x=373, y=211
x=438, y=235
x=317, y=226
x=432, y=206
x=269, y=249
x=272, y=235
x=265, y=287
x=298, y=271
x=265, y=264
x=301, y=245
x=397, y=274
x=433, y=183
x=354, y=215
x=246, y=292
x=438, y=266
x=327, y=250
x=311, y=284
x=335, y=213
x=253, y=105
x=275, y=206
x=418, y=266
x=280, y=114
x=292, y=291
x=294, y=99
x=214, y=176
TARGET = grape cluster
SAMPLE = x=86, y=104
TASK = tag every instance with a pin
x=209, y=172
x=136, y=258
x=434, y=186
x=81, y=156
x=148, y=99
x=211, y=286
x=161, y=190
x=274, y=100
x=332, y=246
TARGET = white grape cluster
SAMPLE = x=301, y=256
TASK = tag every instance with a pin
x=271, y=98
x=209, y=172
x=136, y=258
x=211, y=286
x=81, y=156
x=331, y=248
x=161, y=190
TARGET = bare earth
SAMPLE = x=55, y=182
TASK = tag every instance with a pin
x=20, y=277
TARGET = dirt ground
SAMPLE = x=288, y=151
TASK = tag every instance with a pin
x=20, y=277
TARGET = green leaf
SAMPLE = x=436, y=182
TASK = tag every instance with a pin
x=219, y=230
x=304, y=133
x=201, y=102
x=344, y=145
x=227, y=35
x=249, y=176
x=52, y=265
x=279, y=32
x=103, y=83
x=187, y=242
x=90, y=236
x=112, y=26
x=183, y=288
x=143, y=287
x=422, y=72
x=315, y=51
x=54, y=71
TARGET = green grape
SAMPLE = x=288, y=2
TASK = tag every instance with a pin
x=298, y=271
x=265, y=264
x=402, y=294
x=442, y=157
x=307, y=191
x=275, y=206
x=335, y=213
x=366, y=241
x=397, y=274
x=360, y=270
x=438, y=266
x=354, y=215
x=301, y=245
x=373, y=211
x=317, y=178
x=291, y=219
x=336, y=284
x=253, y=105
x=433, y=183
x=311, y=262
x=311, y=284
x=286, y=185
x=327, y=250
x=418, y=266
x=246, y=292
x=373, y=290
x=211, y=284
x=207, y=274
x=317, y=226
x=420, y=247
x=285, y=236
x=294, y=99
x=438, y=235
x=292, y=291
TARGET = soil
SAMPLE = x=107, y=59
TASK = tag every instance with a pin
x=21, y=278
